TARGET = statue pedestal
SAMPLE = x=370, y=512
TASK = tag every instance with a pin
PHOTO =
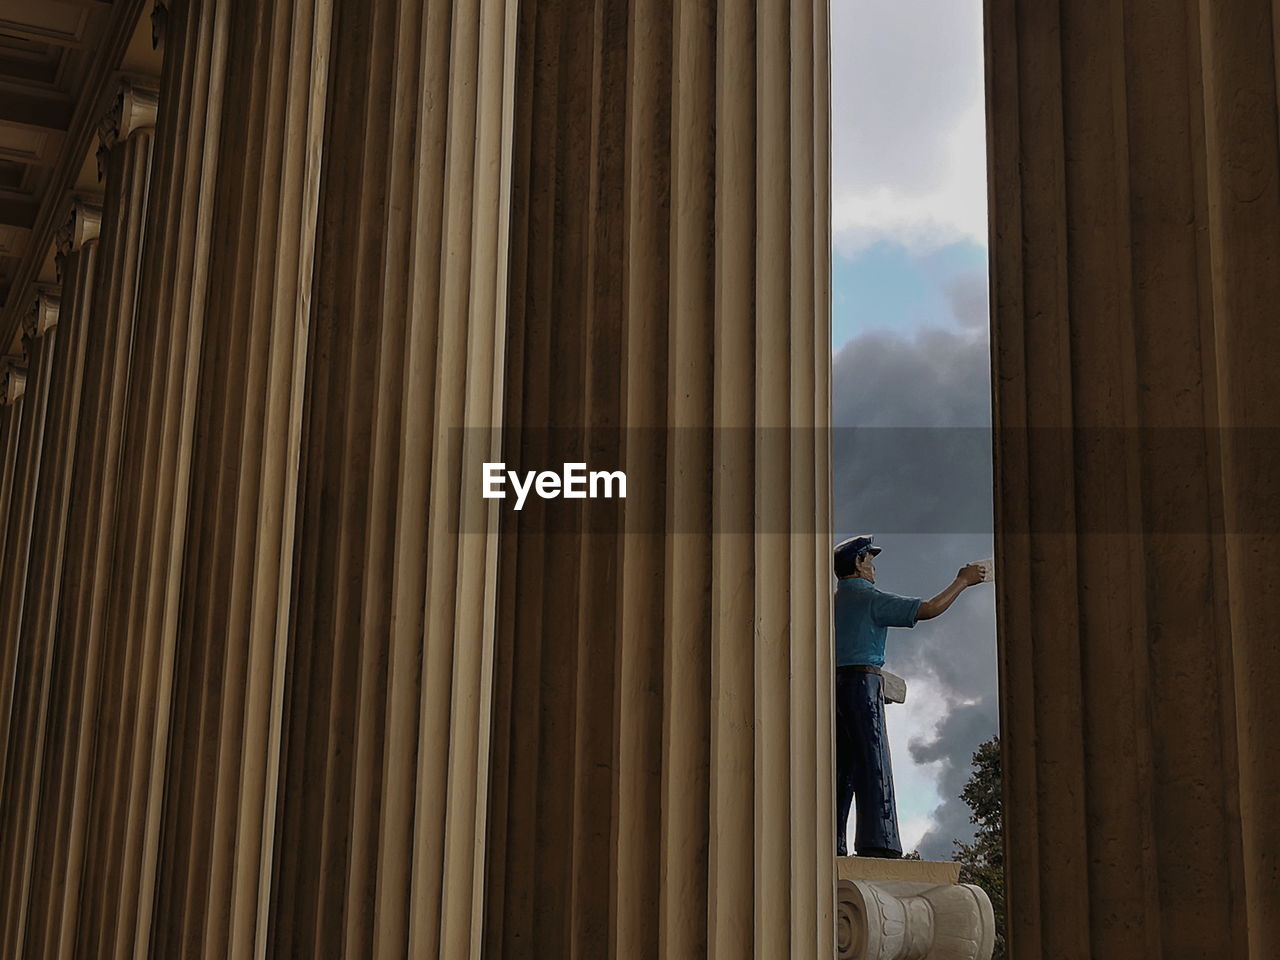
x=909, y=910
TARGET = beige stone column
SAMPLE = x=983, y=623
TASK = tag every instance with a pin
x=662, y=751
x=136, y=567
x=239, y=403
x=1135, y=232
x=383, y=794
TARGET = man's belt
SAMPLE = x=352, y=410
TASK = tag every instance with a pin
x=860, y=668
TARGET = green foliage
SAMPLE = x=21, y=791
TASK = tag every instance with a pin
x=982, y=862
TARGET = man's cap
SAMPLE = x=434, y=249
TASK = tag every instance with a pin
x=856, y=546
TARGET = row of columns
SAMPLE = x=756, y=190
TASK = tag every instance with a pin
x=282, y=682
x=61, y=710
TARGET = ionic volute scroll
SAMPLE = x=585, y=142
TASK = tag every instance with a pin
x=83, y=225
x=895, y=920
x=133, y=109
x=13, y=380
x=42, y=315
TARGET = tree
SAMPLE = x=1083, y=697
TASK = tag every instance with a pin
x=982, y=862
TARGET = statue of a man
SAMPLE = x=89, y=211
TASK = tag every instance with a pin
x=863, y=614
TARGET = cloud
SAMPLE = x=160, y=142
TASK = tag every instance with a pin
x=965, y=727
x=889, y=287
x=967, y=295
x=908, y=136
x=936, y=378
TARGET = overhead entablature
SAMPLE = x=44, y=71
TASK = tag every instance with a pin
x=58, y=61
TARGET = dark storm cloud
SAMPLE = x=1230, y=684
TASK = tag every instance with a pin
x=958, y=649
x=911, y=442
x=967, y=295
x=912, y=464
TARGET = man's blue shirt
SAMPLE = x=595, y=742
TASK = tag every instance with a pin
x=863, y=614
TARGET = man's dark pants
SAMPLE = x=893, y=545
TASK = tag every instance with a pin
x=862, y=765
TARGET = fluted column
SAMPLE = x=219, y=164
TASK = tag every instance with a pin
x=233, y=393
x=141, y=560
x=1135, y=198
x=383, y=796
x=663, y=704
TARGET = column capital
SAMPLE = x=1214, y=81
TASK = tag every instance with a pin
x=83, y=225
x=133, y=109
x=42, y=315
x=902, y=920
x=13, y=380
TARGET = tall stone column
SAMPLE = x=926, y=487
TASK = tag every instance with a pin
x=1135, y=236
x=37, y=689
x=383, y=792
x=138, y=564
x=662, y=751
x=214, y=580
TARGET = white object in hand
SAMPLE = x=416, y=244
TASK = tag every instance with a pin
x=893, y=687
x=988, y=569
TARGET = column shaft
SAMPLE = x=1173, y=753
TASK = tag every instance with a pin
x=383, y=795
x=660, y=741
x=137, y=569
x=1135, y=228
x=244, y=455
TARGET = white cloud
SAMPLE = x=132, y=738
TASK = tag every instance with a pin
x=908, y=129
x=911, y=830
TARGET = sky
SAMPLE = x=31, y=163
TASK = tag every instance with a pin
x=911, y=371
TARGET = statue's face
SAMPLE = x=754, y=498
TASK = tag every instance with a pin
x=865, y=567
